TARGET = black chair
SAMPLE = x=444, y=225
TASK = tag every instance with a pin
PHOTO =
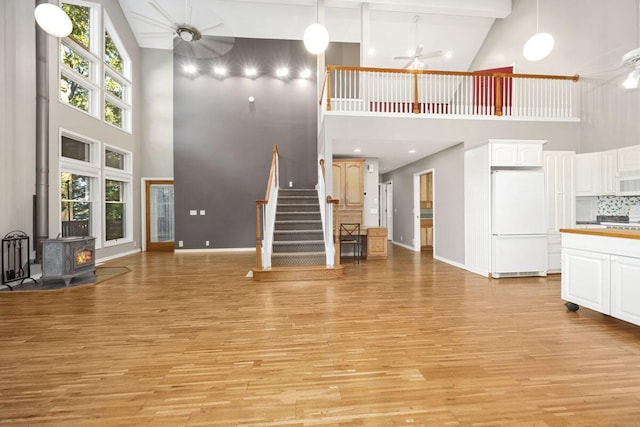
x=350, y=235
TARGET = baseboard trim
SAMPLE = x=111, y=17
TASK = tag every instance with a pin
x=450, y=262
x=215, y=250
x=116, y=256
x=411, y=248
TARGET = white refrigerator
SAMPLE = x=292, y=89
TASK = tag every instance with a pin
x=518, y=228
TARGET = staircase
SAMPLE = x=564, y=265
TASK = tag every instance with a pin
x=298, y=240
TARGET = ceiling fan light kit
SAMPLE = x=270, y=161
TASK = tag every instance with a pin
x=53, y=20
x=540, y=44
x=633, y=58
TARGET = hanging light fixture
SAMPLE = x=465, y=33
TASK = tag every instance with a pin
x=632, y=79
x=53, y=20
x=316, y=37
x=540, y=44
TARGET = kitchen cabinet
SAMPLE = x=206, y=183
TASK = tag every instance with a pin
x=601, y=271
x=609, y=169
x=625, y=288
x=516, y=153
x=560, y=197
x=426, y=190
x=348, y=187
x=629, y=158
x=376, y=243
x=426, y=233
x=588, y=174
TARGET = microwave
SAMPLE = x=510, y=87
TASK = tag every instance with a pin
x=628, y=183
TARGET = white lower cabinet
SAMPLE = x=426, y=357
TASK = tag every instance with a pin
x=600, y=276
x=625, y=288
x=585, y=279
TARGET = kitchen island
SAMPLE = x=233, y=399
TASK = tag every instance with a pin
x=601, y=271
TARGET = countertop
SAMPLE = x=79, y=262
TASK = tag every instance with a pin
x=604, y=232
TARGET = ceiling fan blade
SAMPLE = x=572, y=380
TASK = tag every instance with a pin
x=163, y=12
x=183, y=48
x=152, y=21
x=403, y=57
x=408, y=64
x=211, y=27
x=218, y=45
x=433, y=54
x=206, y=48
x=418, y=50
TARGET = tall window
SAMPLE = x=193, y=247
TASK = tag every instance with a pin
x=95, y=190
x=75, y=192
x=114, y=209
x=95, y=69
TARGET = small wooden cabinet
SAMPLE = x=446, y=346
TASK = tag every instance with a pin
x=348, y=187
x=426, y=233
x=376, y=243
x=426, y=190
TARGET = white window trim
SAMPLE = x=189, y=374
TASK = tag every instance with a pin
x=123, y=78
x=127, y=197
x=128, y=164
x=95, y=153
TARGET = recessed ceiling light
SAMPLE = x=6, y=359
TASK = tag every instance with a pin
x=357, y=150
x=220, y=70
x=282, y=72
x=190, y=69
x=305, y=74
x=412, y=151
x=448, y=54
x=371, y=51
x=250, y=72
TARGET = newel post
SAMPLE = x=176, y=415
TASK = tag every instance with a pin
x=416, y=106
x=328, y=89
x=498, y=101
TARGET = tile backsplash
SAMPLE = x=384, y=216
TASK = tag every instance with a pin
x=614, y=205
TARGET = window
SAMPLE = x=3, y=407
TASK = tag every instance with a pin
x=95, y=190
x=75, y=191
x=114, y=209
x=95, y=69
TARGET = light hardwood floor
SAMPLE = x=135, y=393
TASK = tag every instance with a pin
x=188, y=340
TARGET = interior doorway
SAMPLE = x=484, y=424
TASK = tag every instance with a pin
x=159, y=215
x=385, y=198
x=424, y=224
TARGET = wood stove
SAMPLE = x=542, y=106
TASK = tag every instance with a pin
x=68, y=257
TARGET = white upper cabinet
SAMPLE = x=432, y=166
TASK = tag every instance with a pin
x=516, y=153
x=588, y=174
x=629, y=158
x=609, y=168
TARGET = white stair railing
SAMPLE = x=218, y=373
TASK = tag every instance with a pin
x=326, y=213
x=266, y=215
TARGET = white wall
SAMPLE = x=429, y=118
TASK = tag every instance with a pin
x=17, y=117
x=157, y=114
x=590, y=38
x=17, y=146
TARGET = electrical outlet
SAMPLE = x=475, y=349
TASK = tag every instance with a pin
x=180, y=243
x=290, y=184
x=206, y=243
x=401, y=237
x=135, y=244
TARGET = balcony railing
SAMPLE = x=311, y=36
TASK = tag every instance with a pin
x=449, y=93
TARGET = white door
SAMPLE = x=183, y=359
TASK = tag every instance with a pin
x=385, y=197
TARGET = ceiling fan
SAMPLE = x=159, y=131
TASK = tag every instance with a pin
x=186, y=38
x=417, y=56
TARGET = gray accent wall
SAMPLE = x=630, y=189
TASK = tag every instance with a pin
x=223, y=142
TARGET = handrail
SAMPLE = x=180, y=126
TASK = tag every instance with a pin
x=265, y=214
x=336, y=220
x=574, y=77
x=461, y=93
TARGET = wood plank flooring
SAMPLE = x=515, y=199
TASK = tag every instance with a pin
x=188, y=340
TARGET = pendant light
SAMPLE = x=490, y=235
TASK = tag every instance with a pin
x=540, y=44
x=316, y=36
x=53, y=20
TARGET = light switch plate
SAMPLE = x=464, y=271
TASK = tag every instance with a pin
x=202, y=212
x=193, y=212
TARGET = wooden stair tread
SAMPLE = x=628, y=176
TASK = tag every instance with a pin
x=311, y=272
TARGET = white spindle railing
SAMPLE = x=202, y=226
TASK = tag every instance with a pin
x=372, y=90
x=266, y=214
x=326, y=213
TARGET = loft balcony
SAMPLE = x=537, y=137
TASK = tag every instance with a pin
x=448, y=94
